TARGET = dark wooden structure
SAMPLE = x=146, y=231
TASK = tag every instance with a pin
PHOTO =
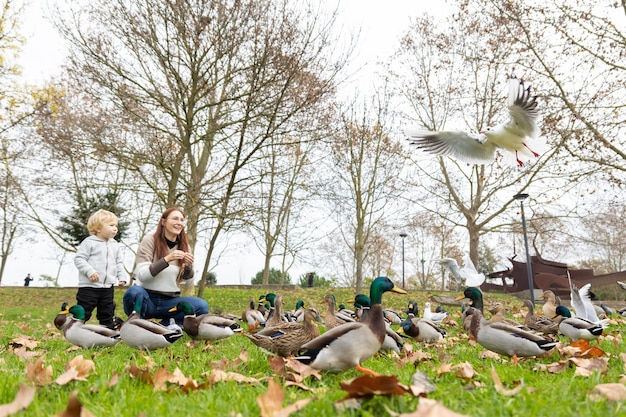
x=548, y=275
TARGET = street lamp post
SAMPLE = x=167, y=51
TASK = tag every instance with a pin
x=423, y=271
x=521, y=197
x=403, y=235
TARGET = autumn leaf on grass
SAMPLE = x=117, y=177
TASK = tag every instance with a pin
x=25, y=341
x=611, y=392
x=553, y=368
x=582, y=349
x=420, y=384
x=414, y=357
x=217, y=375
x=22, y=400
x=162, y=376
x=292, y=369
x=75, y=408
x=369, y=385
x=500, y=388
x=141, y=374
x=38, y=374
x=428, y=408
x=271, y=403
x=22, y=352
x=465, y=371
x=77, y=369
x=585, y=367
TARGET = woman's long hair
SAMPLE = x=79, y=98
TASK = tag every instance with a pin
x=160, y=245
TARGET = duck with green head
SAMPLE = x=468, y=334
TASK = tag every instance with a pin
x=577, y=328
x=144, y=334
x=205, y=326
x=507, y=340
x=78, y=333
x=393, y=340
x=475, y=296
x=422, y=330
x=349, y=345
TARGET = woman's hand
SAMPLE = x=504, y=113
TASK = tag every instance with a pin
x=179, y=255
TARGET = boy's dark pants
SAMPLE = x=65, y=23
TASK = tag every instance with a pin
x=102, y=300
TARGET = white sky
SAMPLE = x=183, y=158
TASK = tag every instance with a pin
x=382, y=23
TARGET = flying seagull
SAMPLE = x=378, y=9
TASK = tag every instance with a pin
x=512, y=136
x=468, y=276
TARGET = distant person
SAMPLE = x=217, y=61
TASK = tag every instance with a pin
x=27, y=280
x=100, y=268
x=163, y=263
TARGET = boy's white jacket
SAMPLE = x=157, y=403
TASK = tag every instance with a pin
x=103, y=257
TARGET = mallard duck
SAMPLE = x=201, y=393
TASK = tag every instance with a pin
x=144, y=334
x=286, y=339
x=539, y=323
x=275, y=316
x=393, y=340
x=412, y=309
x=549, y=303
x=577, y=328
x=347, y=346
x=475, y=296
x=330, y=318
x=508, y=340
x=497, y=310
x=422, y=330
x=466, y=318
x=80, y=334
x=253, y=317
x=345, y=314
x=392, y=316
x=205, y=326
x=297, y=314
x=433, y=316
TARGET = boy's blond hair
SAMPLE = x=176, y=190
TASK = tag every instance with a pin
x=98, y=219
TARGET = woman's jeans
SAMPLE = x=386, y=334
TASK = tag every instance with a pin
x=157, y=306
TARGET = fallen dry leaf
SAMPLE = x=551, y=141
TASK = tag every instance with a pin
x=271, y=402
x=37, y=373
x=75, y=408
x=500, y=388
x=23, y=353
x=585, y=367
x=414, y=357
x=217, y=375
x=428, y=408
x=421, y=382
x=369, y=385
x=25, y=395
x=25, y=341
x=553, y=368
x=465, y=371
x=444, y=369
x=611, y=392
x=78, y=369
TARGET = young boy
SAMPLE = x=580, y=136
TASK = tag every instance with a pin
x=100, y=267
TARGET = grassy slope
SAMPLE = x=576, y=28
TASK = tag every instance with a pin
x=30, y=311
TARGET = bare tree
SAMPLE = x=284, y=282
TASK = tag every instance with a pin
x=367, y=167
x=198, y=89
x=453, y=77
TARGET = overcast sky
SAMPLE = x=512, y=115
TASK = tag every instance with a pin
x=381, y=25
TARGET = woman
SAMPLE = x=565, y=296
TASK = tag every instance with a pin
x=163, y=262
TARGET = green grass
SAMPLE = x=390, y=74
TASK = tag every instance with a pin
x=30, y=312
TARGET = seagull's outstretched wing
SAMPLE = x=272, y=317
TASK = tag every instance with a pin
x=453, y=267
x=522, y=109
x=456, y=144
x=472, y=276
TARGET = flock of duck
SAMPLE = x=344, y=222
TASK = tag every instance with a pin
x=353, y=336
